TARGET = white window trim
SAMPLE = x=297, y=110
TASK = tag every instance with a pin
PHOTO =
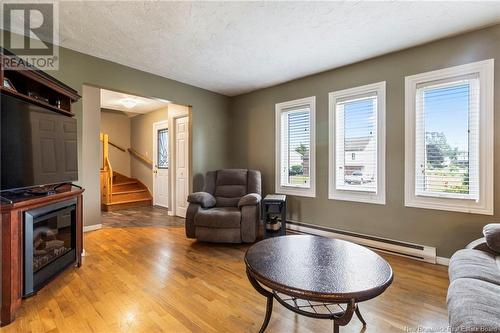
x=352, y=195
x=486, y=81
x=297, y=190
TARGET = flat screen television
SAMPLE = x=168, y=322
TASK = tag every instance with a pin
x=38, y=146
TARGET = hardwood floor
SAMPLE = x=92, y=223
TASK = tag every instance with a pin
x=140, y=217
x=153, y=279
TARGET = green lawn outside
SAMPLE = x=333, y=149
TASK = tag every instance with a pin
x=299, y=179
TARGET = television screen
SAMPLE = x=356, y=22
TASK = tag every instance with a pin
x=38, y=146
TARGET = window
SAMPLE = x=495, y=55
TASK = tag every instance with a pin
x=449, y=139
x=162, y=149
x=295, y=147
x=357, y=144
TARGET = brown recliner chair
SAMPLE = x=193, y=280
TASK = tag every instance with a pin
x=228, y=211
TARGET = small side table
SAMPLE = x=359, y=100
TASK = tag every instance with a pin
x=273, y=212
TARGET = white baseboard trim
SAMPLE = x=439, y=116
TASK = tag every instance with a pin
x=443, y=261
x=396, y=247
x=92, y=227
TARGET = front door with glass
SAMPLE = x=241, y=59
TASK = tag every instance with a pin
x=160, y=167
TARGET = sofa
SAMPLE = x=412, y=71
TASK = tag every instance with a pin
x=474, y=291
x=228, y=210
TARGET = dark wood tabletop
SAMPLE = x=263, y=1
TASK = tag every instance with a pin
x=319, y=268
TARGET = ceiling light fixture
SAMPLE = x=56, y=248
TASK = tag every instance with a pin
x=128, y=102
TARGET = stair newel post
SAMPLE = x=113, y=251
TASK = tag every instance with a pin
x=109, y=180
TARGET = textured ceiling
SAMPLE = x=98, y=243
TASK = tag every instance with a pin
x=237, y=47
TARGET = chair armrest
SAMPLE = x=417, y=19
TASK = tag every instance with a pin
x=491, y=234
x=204, y=199
x=250, y=199
x=193, y=209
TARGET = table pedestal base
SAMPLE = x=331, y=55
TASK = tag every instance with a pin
x=340, y=314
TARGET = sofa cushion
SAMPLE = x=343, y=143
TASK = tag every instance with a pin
x=232, y=177
x=474, y=306
x=218, y=235
x=230, y=186
x=480, y=244
x=491, y=233
x=229, y=195
x=474, y=264
x=230, y=191
x=219, y=217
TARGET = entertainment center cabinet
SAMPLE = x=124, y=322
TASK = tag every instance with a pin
x=13, y=239
x=41, y=233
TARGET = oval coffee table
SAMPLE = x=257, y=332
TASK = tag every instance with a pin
x=316, y=276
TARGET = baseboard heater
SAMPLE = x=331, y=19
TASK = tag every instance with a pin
x=409, y=250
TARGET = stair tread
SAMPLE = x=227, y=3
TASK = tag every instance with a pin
x=130, y=182
x=127, y=201
x=141, y=189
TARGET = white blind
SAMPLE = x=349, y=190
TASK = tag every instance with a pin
x=447, y=138
x=356, y=143
x=295, y=147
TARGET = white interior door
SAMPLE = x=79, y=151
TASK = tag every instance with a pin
x=160, y=164
x=181, y=166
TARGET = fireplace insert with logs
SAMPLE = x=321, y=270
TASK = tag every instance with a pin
x=49, y=243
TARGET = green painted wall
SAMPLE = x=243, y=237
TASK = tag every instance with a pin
x=209, y=110
x=210, y=117
x=239, y=131
x=253, y=145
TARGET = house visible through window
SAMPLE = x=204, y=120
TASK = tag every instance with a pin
x=449, y=139
x=295, y=164
x=447, y=151
x=357, y=134
x=357, y=144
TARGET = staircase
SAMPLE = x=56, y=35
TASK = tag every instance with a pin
x=119, y=191
x=126, y=193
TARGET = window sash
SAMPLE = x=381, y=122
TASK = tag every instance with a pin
x=341, y=164
x=484, y=71
x=286, y=155
x=423, y=174
x=342, y=129
x=287, y=141
x=162, y=148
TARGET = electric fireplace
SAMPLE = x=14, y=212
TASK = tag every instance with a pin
x=49, y=243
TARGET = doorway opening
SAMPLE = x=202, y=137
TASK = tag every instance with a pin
x=135, y=154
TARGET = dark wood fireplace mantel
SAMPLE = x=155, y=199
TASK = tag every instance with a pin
x=12, y=245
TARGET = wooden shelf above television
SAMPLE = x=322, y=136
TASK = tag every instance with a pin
x=35, y=101
x=36, y=86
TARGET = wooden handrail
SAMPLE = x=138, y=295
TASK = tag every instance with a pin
x=112, y=143
x=107, y=170
x=105, y=139
x=143, y=158
x=117, y=147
